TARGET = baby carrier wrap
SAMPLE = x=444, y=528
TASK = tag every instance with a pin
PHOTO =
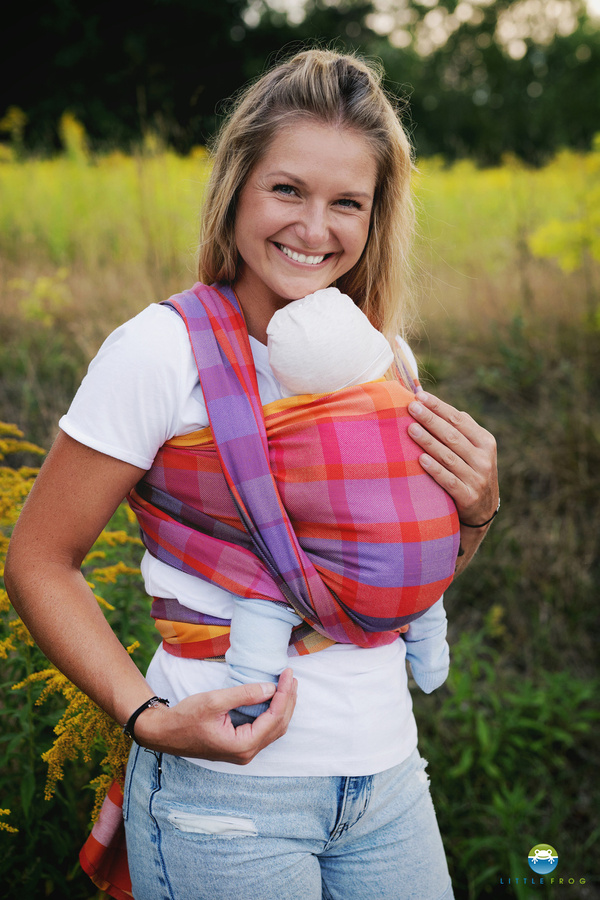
x=318, y=502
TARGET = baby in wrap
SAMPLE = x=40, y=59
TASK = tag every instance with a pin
x=320, y=344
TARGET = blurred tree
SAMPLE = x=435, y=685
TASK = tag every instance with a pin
x=499, y=81
x=484, y=77
x=273, y=31
x=121, y=67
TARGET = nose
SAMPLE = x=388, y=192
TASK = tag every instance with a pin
x=313, y=225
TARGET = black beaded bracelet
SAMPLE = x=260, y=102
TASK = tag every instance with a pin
x=151, y=703
x=481, y=524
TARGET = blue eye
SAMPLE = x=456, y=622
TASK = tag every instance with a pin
x=286, y=189
x=349, y=204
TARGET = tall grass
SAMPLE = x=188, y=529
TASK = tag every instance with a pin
x=86, y=243
x=509, y=240
x=510, y=330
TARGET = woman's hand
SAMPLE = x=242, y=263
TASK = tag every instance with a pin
x=461, y=456
x=200, y=727
x=73, y=498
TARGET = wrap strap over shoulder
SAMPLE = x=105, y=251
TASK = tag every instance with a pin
x=318, y=502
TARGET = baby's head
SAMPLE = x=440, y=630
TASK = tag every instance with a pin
x=323, y=343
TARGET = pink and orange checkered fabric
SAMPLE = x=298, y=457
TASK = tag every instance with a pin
x=317, y=501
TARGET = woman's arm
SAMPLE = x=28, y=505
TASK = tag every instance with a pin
x=75, y=494
x=461, y=456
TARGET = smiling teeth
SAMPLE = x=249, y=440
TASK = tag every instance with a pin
x=300, y=257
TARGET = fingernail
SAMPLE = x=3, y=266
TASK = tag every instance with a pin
x=415, y=408
x=268, y=688
x=415, y=431
x=422, y=396
x=425, y=461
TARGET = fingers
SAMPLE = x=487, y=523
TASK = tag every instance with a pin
x=460, y=455
x=443, y=440
x=283, y=694
x=251, y=738
x=449, y=455
x=457, y=486
x=444, y=427
x=284, y=700
x=242, y=695
x=447, y=422
x=200, y=726
x=274, y=722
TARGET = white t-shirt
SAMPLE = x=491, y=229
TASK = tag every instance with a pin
x=354, y=711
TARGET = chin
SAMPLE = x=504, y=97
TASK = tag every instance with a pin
x=297, y=291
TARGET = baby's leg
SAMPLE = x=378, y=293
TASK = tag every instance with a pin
x=427, y=648
x=260, y=634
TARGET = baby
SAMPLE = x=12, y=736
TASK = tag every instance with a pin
x=317, y=345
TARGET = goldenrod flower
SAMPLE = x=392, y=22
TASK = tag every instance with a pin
x=83, y=727
x=4, y=826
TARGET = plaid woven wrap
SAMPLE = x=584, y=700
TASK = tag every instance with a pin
x=318, y=501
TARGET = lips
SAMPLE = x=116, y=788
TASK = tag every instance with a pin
x=301, y=257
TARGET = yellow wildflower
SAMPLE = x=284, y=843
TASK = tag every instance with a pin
x=94, y=554
x=109, y=574
x=4, y=826
x=104, y=603
x=21, y=632
x=84, y=729
x=4, y=601
x=114, y=538
x=7, y=645
x=494, y=620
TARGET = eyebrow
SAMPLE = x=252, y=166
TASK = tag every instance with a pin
x=288, y=176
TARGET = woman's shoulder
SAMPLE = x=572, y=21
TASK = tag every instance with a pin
x=154, y=343
x=156, y=329
x=131, y=398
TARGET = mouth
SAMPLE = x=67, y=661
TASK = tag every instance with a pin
x=301, y=257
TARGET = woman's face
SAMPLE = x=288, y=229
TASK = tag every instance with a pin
x=303, y=215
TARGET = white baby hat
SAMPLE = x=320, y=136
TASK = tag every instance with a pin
x=324, y=342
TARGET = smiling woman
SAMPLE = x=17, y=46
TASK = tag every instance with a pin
x=302, y=218
x=310, y=190
x=321, y=92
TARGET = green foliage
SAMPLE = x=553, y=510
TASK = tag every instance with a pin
x=86, y=245
x=507, y=335
x=41, y=361
x=513, y=737
x=512, y=760
x=40, y=837
x=477, y=86
x=573, y=240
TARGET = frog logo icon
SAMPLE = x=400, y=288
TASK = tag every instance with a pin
x=542, y=859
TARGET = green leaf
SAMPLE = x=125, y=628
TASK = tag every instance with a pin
x=27, y=792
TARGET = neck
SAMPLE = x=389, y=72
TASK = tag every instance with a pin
x=257, y=309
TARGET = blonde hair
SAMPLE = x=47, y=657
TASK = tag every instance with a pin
x=342, y=91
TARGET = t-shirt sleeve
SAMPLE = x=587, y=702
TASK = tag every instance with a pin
x=127, y=405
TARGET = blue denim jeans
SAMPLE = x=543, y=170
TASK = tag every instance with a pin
x=195, y=834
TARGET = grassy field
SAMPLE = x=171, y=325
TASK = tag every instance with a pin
x=508, y=301
x=84, y=244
